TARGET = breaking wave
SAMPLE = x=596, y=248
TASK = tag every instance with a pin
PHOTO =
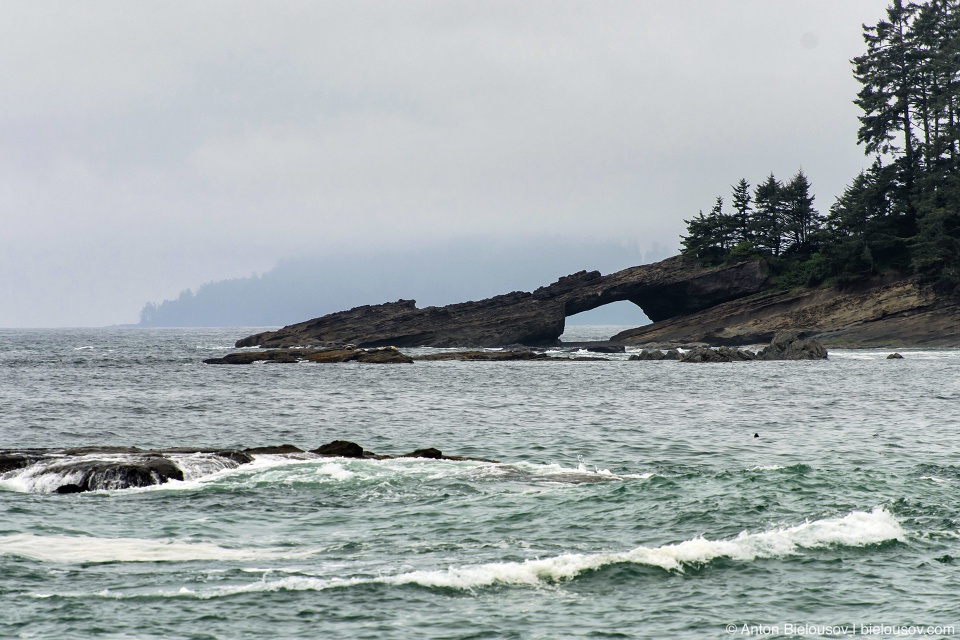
x=856, y=529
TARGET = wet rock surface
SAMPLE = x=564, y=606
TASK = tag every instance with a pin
x=340, y=448
x=663, y=290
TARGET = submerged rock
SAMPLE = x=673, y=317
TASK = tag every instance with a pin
x=894, y=356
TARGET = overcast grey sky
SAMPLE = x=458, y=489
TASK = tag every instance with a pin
x=147, y=147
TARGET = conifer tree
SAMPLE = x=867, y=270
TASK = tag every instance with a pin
x=741, y=201
x=887, y=74
x=767, y=221
x=801, y=219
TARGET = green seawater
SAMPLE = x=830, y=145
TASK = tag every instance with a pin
x=631, y=499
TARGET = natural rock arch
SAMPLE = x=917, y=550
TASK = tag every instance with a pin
x=663, y=290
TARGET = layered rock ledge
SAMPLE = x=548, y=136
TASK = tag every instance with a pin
x=663, y=290
x=886, y=311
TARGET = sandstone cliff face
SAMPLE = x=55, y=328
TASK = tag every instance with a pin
x=882, y=312
x=663, y=290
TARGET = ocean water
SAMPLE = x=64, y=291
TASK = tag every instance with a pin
x=631, y=500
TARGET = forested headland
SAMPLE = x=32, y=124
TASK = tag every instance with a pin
x=902, y=214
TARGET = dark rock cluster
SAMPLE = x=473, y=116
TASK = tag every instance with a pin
x=383, y=355
x=656, y=354
x=784, y=346
x=344, y=353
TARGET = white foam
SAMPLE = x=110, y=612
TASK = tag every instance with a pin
x=855, y=529
x=557, y=473
x=199, y=465
x=335, y=471
x=78, y=549
x=272, y=467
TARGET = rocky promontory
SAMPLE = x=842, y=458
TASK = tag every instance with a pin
x=736, y=304
x=663, y=290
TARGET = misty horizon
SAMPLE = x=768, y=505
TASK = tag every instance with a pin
x=151, y=150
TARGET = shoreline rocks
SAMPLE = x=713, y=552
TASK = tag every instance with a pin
x=344, y=353
x=784, y=346
x=386, y=355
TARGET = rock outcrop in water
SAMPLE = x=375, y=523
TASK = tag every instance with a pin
x=102, y=468
x=384, y=355
x=85, y=469
x=346, y=353
x=663, y=290
x=784, y=346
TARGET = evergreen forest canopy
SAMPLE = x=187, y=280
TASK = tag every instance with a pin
x=903, y=213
